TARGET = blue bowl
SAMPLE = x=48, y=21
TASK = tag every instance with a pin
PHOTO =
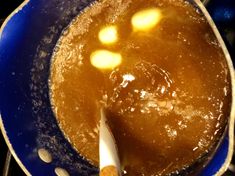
x=27, y=40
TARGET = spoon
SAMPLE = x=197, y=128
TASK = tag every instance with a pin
x=108, y=153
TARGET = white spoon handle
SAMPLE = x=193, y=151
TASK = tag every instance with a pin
x=108, y=153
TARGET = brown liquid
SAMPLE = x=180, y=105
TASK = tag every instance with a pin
x=173, y=111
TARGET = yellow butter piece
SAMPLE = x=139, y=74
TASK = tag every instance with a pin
x=105, y=59
x=147, y=19
x=108, y=35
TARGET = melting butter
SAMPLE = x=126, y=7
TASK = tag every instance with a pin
x=147, y=19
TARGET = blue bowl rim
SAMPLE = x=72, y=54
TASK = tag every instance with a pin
x=3, y=130
x=231, y=121
x=231, y=69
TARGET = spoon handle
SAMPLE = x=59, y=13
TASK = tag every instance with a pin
x=108, y=154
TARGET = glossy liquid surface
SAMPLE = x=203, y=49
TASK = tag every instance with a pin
x=166, y=88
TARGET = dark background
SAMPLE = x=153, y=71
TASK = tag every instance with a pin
x=223, y=13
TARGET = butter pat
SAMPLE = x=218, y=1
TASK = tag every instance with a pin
x=147, y=19
x=104, y=59
x=108, y=35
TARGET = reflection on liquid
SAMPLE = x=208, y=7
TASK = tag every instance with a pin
x=108, y=35
x=126, y=79
x=104, y=59
x=145, y=20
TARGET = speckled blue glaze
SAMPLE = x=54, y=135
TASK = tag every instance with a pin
x=26, y=47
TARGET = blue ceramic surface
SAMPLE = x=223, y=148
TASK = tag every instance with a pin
x=26, y=46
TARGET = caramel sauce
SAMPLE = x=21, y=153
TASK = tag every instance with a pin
x=168, y=97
